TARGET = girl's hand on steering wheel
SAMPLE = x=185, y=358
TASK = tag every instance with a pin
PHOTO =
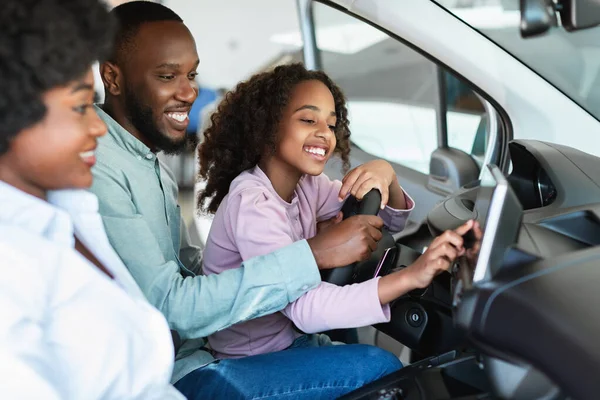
x=377, y=174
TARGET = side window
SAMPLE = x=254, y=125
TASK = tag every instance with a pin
x=393, y=92
x=465, y=117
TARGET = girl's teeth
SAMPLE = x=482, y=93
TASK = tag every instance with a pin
x=320, y=152
x=86, y=154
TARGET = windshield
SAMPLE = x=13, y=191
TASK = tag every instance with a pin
x=569, y=61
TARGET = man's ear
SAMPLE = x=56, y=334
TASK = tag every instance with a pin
x=111, y=77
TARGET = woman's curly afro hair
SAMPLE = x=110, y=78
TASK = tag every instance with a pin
x=45, y=44
x=246, y=122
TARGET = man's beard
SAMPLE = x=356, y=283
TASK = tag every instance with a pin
x=142, y=118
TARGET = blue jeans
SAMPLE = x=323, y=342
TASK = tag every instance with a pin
x=313, y=340
x=296, y=373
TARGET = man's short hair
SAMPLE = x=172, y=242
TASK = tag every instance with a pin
x=45, y=44
x=130, y=17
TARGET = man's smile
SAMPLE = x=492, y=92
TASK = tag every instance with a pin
x=178, y=120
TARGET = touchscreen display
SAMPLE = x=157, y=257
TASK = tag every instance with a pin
x=499, y=215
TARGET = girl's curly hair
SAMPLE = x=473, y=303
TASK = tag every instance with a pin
x=246, y=122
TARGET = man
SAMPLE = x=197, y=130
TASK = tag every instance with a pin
x=150, y=86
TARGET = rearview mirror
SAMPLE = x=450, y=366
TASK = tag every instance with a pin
x=538, y=16
x=579, y=14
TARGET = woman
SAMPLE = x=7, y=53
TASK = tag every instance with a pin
x=73, y=323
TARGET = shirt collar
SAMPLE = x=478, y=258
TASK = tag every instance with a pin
x=123, y=138
x=52, y=218
x=260, y=174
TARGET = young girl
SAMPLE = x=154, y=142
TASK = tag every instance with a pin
x=263, y=159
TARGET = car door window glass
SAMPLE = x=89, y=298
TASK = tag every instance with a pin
x=392, y=92
x=465, y=117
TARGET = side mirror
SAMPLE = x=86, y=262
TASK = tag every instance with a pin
x=449, y=169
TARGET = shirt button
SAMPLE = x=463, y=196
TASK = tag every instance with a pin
x=149, y=156
x=139, y=157
x=304, y=287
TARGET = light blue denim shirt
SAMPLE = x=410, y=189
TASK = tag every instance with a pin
x=138, y=202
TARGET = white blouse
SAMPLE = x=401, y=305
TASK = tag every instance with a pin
x=68, y=331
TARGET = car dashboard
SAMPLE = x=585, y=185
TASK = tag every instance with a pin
x=528, y=330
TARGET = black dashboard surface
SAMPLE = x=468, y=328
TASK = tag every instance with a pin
x=540, y=308
x=538, y=311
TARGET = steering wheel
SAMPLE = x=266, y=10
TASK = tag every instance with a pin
x=363, y=270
